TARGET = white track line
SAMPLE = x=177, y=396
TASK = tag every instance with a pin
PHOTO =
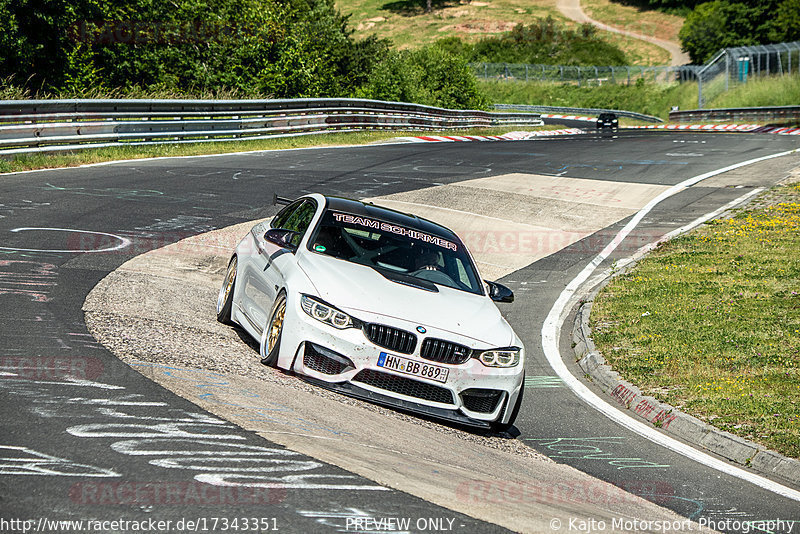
x=552, y=327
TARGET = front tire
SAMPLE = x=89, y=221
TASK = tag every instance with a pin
x=225, y=298
x=271, y=339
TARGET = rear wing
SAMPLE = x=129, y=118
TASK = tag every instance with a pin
x=281, y=200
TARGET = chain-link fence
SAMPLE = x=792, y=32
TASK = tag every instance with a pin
x=589, y=76
x=733, y=66
x=729, y=67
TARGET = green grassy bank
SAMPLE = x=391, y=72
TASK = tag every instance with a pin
x=710, y=323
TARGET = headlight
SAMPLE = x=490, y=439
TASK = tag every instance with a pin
x=325, y=313
x=508, y=357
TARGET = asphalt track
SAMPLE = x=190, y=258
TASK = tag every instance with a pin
x=74, y=417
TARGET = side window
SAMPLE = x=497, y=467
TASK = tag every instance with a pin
x=279, y=221
x=300, y=220
x=296, y=217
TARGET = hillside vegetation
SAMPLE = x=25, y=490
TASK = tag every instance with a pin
x=235, y=48
x=649, y=22
x=712, y=25
x=407, y=25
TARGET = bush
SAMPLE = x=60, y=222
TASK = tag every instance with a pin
x=430, y=76
x=546, y=42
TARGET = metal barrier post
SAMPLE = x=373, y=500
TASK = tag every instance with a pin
x=700, y=91
x=727, y=70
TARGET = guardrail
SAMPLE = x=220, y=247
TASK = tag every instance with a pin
x=782, y=115
x=58, y=125
x=578, y=111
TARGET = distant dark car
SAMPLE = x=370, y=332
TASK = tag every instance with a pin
x=607, y=120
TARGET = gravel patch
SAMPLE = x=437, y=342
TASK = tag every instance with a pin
x=166, y=317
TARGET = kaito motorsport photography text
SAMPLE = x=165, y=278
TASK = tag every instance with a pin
x=627, y=524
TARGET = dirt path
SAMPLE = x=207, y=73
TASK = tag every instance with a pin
x=572, y=10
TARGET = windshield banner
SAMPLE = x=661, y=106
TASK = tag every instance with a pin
x=394, y=229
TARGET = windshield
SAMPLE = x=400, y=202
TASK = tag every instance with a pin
x=390, y=248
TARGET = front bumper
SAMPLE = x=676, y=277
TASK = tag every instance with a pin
x=346, y=361
x=352, y=390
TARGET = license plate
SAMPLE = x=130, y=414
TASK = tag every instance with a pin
x=413, y=368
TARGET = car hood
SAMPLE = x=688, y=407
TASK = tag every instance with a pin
x=353, y=288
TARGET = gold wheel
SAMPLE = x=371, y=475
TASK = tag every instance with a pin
x=225, y=298
x=276, y=326
x=229, y=279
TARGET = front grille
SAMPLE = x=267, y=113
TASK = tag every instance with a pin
x=391, y=338
x=481, y=400
x=404, y=386
x=438, y=350
x=325, y=361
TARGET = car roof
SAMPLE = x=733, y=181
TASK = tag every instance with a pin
x=362, y=209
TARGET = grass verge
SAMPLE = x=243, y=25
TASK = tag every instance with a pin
x=710, y=323
x=649, y=98
x=25, y=162
x=772, y=91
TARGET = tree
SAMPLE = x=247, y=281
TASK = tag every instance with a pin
x=727, y=23
x=715, y=25
x=787, y=22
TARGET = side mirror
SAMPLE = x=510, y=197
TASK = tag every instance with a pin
x=282, y=238
x=499, y=292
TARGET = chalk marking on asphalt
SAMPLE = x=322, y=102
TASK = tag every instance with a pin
x=123, y=241
x=552, y=327
x=70, y=381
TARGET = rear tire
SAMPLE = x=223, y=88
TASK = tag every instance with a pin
x=505, y=427
x=271, y=339
x=225, y=298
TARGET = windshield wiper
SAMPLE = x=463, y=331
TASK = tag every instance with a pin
x=406, y=279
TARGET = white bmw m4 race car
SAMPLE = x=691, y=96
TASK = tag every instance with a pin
x=378, y=305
